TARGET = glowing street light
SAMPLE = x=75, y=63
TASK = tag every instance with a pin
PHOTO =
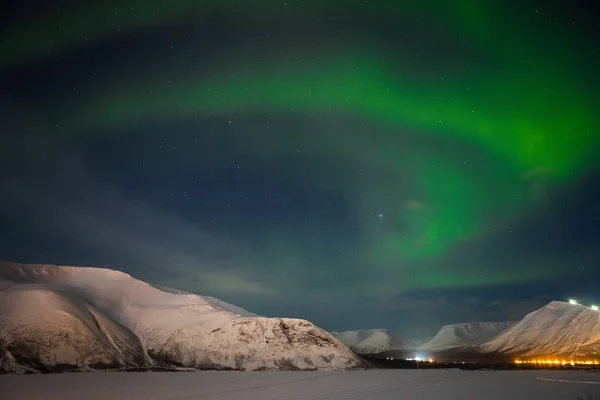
x=594, y=307
x=571, y=301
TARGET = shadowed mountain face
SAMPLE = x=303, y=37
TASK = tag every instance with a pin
x=58, y=317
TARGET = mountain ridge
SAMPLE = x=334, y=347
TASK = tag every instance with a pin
x=85, y=317
x=371, y=341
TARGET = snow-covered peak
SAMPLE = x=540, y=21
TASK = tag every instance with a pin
x=78, y=316
x=369, y=341
x=465, y=334
x=562, y=305
x=118, y=295
x=557, y=329
x=106, y=283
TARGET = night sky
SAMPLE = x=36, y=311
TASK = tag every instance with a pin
x=362, y=164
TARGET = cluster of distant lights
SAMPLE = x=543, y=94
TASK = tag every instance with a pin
x=557, y=362
x=420, y=359
x=413, y=359
x=593, y=307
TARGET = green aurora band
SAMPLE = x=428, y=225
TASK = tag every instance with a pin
x=530, y=114
x=527, y=137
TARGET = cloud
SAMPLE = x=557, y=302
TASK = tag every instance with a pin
x=471, y=301
x=494, y=304
x=119, y=231
x=414, y=205
x=405, y=303
x=232, y=283
x=516, y=310
x=539, y=181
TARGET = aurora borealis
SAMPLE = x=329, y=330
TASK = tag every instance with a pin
x=309, y=158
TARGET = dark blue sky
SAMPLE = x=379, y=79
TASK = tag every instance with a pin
x=134, y=143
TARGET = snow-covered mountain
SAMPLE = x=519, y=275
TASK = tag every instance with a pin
x=370, y=341
x=56, y=317
x=465, y=335
x=219, y=303
x=557, y=329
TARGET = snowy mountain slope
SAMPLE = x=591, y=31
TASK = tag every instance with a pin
x=465, y=335
x=219, y=303
x=49, y=327
x=81, y=316
x=557, y=329
x=370, y=341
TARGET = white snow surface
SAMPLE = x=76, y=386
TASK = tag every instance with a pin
x=557, y=329
x=100, y=318
x=465, y=335
x=370, y=341
x=375, y=384
x=219, y=303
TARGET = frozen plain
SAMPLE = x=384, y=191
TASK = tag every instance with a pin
x=318, y=385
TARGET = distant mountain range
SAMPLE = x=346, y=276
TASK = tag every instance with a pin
x=465, y=335
x=370, y=341
x=55, y=318
x=557, y=330
x=63, y=318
